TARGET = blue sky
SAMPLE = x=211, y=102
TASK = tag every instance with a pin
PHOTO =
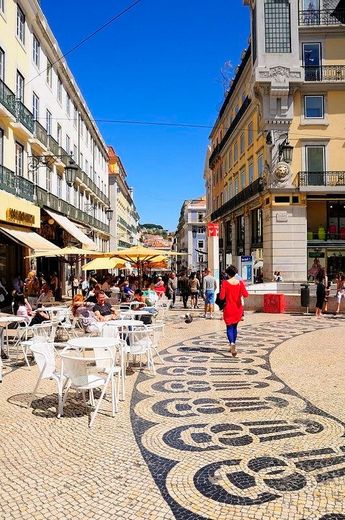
x=160, y=62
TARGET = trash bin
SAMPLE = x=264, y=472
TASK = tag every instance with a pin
x=305, y=295
x=274, y=303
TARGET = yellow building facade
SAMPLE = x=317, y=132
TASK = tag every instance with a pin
x=275, y=170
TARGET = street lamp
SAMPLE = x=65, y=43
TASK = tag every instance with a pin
x=109, y=213
x=285, y=151
x=71, y=173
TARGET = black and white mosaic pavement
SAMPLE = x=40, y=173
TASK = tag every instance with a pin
x=225, y=438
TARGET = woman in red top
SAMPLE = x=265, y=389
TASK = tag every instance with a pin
x=232, y=290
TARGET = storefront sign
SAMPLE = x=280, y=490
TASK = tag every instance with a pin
x=316, y=254
x=19, y=212
x=19, y=217
x=212, y=230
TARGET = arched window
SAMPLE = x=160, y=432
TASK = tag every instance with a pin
x=277, y=26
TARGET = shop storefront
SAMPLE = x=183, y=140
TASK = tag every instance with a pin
x=19, y=220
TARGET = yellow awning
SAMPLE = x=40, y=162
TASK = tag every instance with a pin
x=72, y=229
x=29, y=238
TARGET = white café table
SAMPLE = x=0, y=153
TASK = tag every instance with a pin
x=5, y=319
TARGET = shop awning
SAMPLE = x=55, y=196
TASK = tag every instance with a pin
x=28, y=238
x=73, y=230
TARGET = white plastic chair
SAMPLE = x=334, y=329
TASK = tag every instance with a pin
x=140, y=342
x=83, y=370
x=44, y=355
x=112, y=331
x=157, y=330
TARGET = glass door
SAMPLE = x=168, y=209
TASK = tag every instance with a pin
x=315, y=163
x=312, y=61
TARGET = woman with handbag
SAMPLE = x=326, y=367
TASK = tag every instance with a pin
x=231, y=291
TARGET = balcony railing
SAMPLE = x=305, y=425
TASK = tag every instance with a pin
x=330, y=178
x=65, y=158
x=7, y=180
x=322, y=17
x=7, y=98
x=41, y=133
x=330, y=73
x=53, y=145
x=255, y=187
x=25, y=188
x=233, y=125
x=85, y=179
x=25, y=116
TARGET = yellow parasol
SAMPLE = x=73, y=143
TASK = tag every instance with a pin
x=66, y=251
x=103, y=263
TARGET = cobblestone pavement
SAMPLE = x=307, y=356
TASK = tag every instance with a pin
x=210, y=437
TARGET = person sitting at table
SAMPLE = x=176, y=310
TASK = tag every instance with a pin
x=84, y=311
x=139, y=298
x=102, y=309
x=160, y=287
x=127, y=292
x=46, y=295
x=23, y=309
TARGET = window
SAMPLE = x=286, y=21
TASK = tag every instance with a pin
x=257, y=227
x=86, y=166
x=200, y=217
x=49, y=73
x=81, y=161
x=277, y=26
x=200, y=244
x=48, y=122
x=75, y=117
x=20, y=87
x=48, y=180
x=19, y=159
x=236, y=185
x=313, y=107
x=260, y=165
x=35, y=106
x=243, y=178
x=68, y=105
x=59, y=89
x=59, y=134
x=2, y=64
x=59, y=187
x=68, y=144
x=251, y=172
x=235, y=152
x=240, y=235
x=250, y=134
x=242, y=143
x=1, y=147
x=20, y=25
x=312, y=61
x=75, y=153
x=315, y=164
x=81, y=127
x=36, y=51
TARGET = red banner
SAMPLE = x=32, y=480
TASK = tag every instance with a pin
x=212, y=229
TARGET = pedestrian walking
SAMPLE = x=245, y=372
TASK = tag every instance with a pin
x=209, y=285
x=194, y=287
x=231, y=291
x=340, y=290
x=320, y=294
x=172, y=286
x=183, y=285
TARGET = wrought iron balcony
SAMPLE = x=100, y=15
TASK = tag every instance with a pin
x=65, y=158
x=329, y=178
x=53, y=145
x=7, y=180
x=253, y=189
x=25, y=188
x=41, y=133
x=24, y=116
x=322, y=17
x=329, y=73
x=7, y=98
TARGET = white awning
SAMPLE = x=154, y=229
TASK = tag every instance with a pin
x=29, y=238
x=73, y=230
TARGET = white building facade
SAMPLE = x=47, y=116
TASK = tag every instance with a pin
x=190, y=236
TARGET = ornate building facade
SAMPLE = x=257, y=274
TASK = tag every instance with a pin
x=274, y=175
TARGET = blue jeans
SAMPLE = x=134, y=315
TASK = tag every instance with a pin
x=231, y=331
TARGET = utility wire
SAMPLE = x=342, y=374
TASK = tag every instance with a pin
x=89, y=36
x=187, y=125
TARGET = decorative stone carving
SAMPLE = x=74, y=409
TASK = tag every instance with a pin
x=281, y=175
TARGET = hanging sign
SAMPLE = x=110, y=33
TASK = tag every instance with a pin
x=212, y=229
